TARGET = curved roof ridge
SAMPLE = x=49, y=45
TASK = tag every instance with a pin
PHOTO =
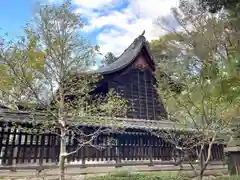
x=141, y=36
x=127, y=56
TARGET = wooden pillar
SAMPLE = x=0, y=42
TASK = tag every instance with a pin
x=12, y=155
x=83, y=154
x=150, y=150
x=118, y=157
x=7, y=148
x=141, y=156
x=42, y=149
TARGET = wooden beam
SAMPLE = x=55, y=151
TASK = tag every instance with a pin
x=28, y=117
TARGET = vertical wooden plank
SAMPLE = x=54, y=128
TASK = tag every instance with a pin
x=169, y=151
x=57, y=148
x=145, y=145
x=42, y=149
x=1, y=143
x=83, y=155
x=12, y=154
x=79, y=153
x=118, y=157
x=36, y=152
x=150, y=149
x=7, y=147
x=25, y=135
x=219, y=152
x=218, y=158
x=162, y=145
x=106, y=144
x=124, y=143
x=166, y=153
x=132, y=147
x=205, y=153
x=129, y=149
x=69, y=147
x=213, y=152
x=111, y=144
x=19, y=147
x=94, y=150
x=141, y=157
x=152, y=140
x=100, y=148
x=53, y=146
x=48, y=156
x=103, y=147
x=155, y=147
x=121, y=144
x=163, y=150
x=160, y=149
x=157, y=150
x=137, y=145
x=31, y=149
x=222, y=154
x=98, y=151
x=144, y=155
x=75, y=145
x=87, y=152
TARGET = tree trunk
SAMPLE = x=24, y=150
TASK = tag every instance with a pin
x=202, y=165
x=61, y=167
x=62, y=154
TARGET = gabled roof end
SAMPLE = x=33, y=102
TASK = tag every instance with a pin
x=128, y=55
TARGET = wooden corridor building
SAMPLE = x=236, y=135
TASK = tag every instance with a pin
x=132, y=74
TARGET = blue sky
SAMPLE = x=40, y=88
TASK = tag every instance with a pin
x=112, y=24
x=14, y=14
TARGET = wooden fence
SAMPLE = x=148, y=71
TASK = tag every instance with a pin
x=19, y=148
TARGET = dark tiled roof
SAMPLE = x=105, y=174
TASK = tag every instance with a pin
x=127, y=56
x=41, y=117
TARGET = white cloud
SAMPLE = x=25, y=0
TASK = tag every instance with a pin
x=92, y=4
x=121, y=26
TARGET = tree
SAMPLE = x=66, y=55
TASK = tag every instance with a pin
x=216, y=5
x=205, y=43
x=48, y=68
x=231, y=7
x=163, y=51
x=160, y=47
x=206, y=63
x=108, y=58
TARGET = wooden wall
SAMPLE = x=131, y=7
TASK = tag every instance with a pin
x=17, y=147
